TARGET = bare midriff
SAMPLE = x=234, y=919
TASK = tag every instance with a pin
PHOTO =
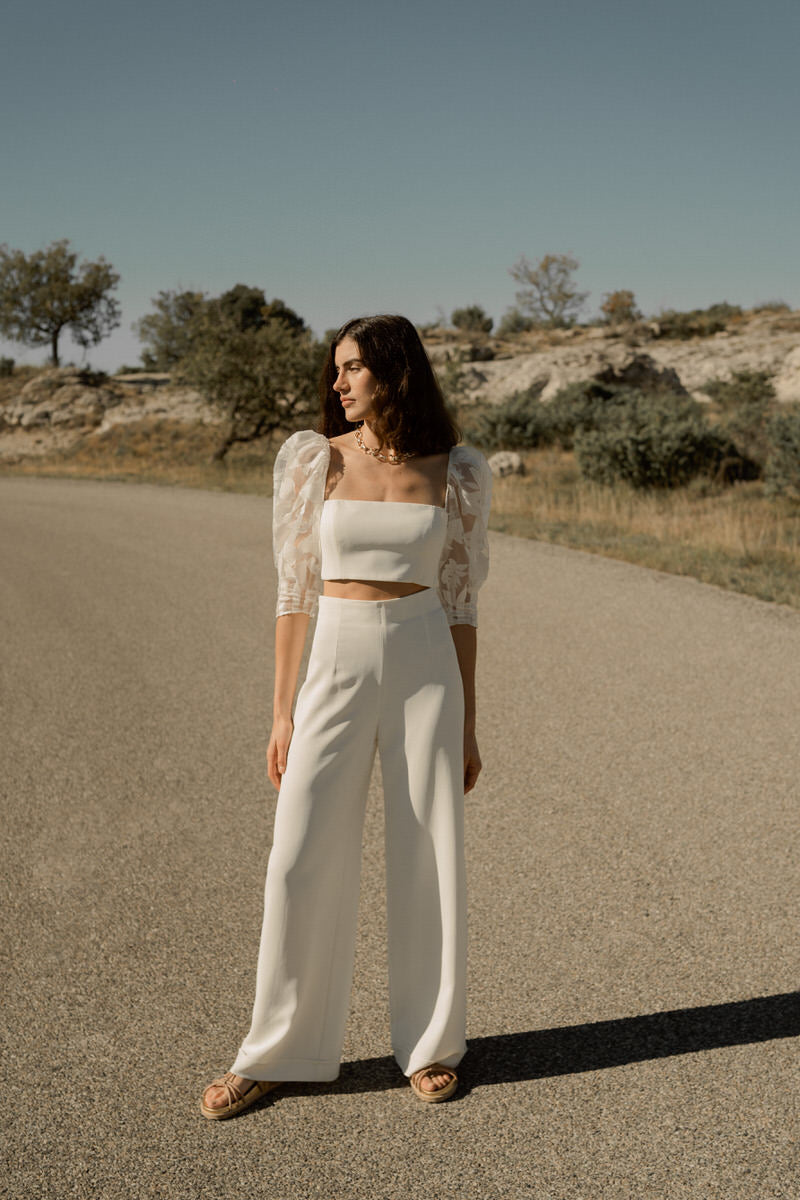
x=362, y=589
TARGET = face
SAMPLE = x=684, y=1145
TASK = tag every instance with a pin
x=354, y=382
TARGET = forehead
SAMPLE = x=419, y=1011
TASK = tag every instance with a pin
x=346, y=350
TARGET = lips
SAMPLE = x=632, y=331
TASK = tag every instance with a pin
x=348, y=401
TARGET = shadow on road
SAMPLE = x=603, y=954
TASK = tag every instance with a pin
x=536, y=1054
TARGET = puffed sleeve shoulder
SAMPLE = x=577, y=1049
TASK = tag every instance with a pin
x=464, y=564
x=299, y=474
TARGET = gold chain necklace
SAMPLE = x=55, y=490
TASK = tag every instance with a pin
x=393, y=458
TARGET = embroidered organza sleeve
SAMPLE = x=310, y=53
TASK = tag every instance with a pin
x=299, y=474
x=464, y=564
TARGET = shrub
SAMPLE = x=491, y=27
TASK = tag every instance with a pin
x=700, y=322
x=782, y=474
x=772, y=306
x=619, y=308
x=650, y=441
x=518, y=423
x=472, y=319
x=514, y=322
x=6, y=366
x=524, y=422
x=747, y=400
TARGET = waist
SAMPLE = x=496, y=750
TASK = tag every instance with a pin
x=396, y=608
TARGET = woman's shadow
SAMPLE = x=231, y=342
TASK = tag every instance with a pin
x=570, y=1049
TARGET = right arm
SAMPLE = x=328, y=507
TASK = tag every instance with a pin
x=290, y=637
x=299, y=475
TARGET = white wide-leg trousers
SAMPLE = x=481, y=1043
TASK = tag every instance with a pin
x=381, y=674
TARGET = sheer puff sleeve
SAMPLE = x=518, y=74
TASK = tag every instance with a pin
x=299, y=474
x=464, y=564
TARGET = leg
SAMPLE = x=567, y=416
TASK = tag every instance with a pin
x=421, y=740
x=311, y=895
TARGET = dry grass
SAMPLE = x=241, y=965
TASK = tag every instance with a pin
x=733, y=537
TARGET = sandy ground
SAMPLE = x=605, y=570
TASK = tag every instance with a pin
x=633, y=865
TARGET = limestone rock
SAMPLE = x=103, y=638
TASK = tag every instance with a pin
x=506, y=462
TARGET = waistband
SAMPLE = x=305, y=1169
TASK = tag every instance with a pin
x=378, y=612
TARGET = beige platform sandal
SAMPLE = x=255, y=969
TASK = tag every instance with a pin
x=441, y=1093
x=237, y=1099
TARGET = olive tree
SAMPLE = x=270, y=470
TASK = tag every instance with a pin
x=261, y=376
x=167, y=332
x=47, y=291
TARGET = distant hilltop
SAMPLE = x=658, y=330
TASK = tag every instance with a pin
x=758, y=340
x=47, y=409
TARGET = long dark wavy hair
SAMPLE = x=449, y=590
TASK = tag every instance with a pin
x=412, y=414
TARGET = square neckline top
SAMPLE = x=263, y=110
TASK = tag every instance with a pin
x=410, y=503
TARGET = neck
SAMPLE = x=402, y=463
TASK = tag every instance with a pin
x=370, y=439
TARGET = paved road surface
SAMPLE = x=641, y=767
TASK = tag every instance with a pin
x=633, y=859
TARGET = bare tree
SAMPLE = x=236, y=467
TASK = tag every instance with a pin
x=44, y=292
x=549, y=293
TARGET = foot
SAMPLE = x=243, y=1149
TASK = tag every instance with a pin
x=435, y=1083
x=232, y=1094
x=218, y=1097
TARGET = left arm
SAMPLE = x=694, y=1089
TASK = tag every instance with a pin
x=465, y=639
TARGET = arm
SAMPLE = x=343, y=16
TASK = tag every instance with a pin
x=290, y=636
x=465, y=639
x=298, y=488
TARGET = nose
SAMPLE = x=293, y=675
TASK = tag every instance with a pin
x=338, y=386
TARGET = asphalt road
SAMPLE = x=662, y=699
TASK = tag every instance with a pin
x=633, y=865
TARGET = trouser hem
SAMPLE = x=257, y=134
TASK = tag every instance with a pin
x=298, y=1070
x=405, y=1059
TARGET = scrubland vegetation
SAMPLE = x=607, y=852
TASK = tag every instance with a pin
x=643, y=473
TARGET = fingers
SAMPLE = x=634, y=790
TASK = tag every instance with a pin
x=277, y=754
x=472, y=770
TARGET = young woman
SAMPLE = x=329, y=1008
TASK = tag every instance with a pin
x=380, y=529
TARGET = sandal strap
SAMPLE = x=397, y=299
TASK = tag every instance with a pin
x=233, y=1092
x=433, y=1069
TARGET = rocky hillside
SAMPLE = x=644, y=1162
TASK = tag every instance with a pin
x=49, y=410
x=55, y=407
x=755, y=342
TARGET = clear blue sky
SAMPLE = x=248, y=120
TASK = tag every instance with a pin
x=401, y=156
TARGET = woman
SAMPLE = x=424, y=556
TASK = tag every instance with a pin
x=387, y=516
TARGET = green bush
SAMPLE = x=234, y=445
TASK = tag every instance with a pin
x=652, y=441
x=472, y=319
x=518, y=423
x=782, y=474
x=6, y=366
x=772, y=306
x=700, y=322
x=524, y=422
x=746, y=389
x=513, y=322
x=747, y=401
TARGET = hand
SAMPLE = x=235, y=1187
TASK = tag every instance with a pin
x=472, y=760
x=278, y=748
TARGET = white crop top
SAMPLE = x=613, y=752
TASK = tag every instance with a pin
x=315, y=539
x=382, y=539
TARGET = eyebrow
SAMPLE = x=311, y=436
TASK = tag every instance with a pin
x=348, y=363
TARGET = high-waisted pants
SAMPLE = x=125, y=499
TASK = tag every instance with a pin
x=381, y=674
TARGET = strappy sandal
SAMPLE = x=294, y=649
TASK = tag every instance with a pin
x=237, y=1099
x=441, y=1093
